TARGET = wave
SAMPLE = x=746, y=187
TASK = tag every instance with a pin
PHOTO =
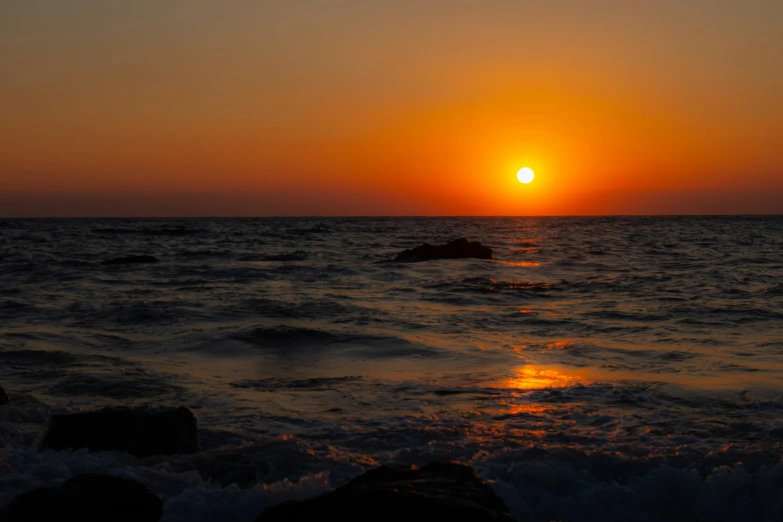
x=535, y=483
x=285, y=337
x=312, y=384
x=629, y=316
x=119, y=386
x=57, y=358
x=294, y=256
x=177, y=231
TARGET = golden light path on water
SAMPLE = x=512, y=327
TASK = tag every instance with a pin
x=533, y=378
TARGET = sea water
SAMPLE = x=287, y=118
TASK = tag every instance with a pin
x=616, y=368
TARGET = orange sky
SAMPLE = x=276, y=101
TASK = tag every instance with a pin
x=421, y=107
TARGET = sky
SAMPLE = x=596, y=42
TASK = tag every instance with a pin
x=411, y=107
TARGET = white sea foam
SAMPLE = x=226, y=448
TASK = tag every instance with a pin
x=555, y=487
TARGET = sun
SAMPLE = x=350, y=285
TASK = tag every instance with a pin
x=525, y=175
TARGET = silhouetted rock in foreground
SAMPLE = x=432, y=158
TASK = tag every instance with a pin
x=458, y=249
x=141, y=432
x=4, y=399
x=87, y=498
x=438, y=491
x=128, y=260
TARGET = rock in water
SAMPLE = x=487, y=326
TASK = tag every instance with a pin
x=438, y=491
x=141, y=432
x=127, y=260
x=458, y=249
x=4, y=399
x=87, y=498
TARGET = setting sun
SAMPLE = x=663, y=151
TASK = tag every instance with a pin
x=525, y=175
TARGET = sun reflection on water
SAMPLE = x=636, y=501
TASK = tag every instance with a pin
x=560, y=345
x=530, y=409
x=532, y=378
x=519, y=263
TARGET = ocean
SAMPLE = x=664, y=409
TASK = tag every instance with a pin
x=601, y=368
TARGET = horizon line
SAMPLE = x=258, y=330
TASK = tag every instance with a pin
x=409, y=216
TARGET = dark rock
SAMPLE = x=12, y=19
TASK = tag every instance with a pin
x=4, y=399
x=141, y=432
x=458, y=249
x=127, y=260
x=87, y=498
x=438, y=491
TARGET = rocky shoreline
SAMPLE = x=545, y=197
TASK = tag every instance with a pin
x=438, y=490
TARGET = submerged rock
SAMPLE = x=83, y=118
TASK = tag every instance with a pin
x=87, y=498
x=438, y=491
x=127, y=260
x=4, y=399
x=458, y=249
x=141, y=432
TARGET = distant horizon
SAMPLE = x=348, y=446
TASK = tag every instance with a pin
x=347, y=203
x=87, y=218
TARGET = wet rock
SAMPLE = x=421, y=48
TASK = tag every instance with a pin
x=87, y=498
x=458, y=249
x=141, y=432
x=438, y=491
x=4, y=399
x=128, y=260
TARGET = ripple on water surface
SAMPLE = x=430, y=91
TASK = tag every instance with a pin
x=594, y=363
